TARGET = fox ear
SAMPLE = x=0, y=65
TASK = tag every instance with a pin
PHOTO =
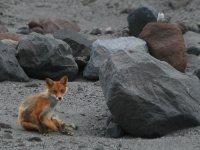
x=64, y=80
x=49, y=82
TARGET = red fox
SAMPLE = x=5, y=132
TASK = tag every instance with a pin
x=35, y=111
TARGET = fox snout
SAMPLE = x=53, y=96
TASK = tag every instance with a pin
x=59, y=98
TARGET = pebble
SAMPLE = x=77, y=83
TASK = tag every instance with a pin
x=84, y=145
x=32, y=85
x=109, y=30
x=99, y=147
x=96, y=31
x=34, y=139
x=5, y=126
x=7, y=136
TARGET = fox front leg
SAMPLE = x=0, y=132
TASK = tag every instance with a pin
x=62, y=126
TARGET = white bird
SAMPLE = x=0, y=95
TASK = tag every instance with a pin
x=161, y=17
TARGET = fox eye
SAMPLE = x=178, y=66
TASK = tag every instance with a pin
x=54, y=91
x=62, y=90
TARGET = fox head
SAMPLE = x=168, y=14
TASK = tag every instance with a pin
x=57, y=89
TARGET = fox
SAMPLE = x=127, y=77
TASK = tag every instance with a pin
x=36, y=112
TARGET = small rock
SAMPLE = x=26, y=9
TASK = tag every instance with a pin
x=37, y=30
x=82, y=114
x=81, y=61
x=10, y=36
x=114, y=130
x=99, y=147
x=125, y=10
x=21, y=144
x=197, y=73
x=178, y=3
x=96, y=31
x=49, y=26
x=193, y=65
x=3, y=29
x=192, y=42
x=9, y=42
x=34, y=139
x=87, y=2
x=122, y=33
x=5, y=126
x=97, y=83
x=7, y=136
x=8, y=131
x=109, y=30
x=23, y=30
x=32, y=85
x=84, y=145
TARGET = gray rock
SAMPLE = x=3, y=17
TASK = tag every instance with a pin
x=178, y=4
x=7, y=136
x=81, y=61
x=192, y=41
x=87, y=2
x=10, y=68
x=99, y=147
x=96, y=31
x=148, y=97
x=9, y=42
x=23, y=30
x=5, y=126
x=114, y=130
x=42, y=56
x=3, y=29
x=34, y=139
x=79, y=44
x=197, y=73
x=101, y=49
x=109, y=30
x=193, y=63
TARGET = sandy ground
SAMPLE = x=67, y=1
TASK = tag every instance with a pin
x=84, y=103
x=89, y=13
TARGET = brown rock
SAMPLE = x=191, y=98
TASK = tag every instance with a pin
x=50, y=26
x=34, y=23
x=10, y=36
x=3, y=29
x=38, y=30
x=67, y=24
x=166, y=43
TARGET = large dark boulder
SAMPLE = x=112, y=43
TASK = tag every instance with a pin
x=148, y=97
x=41, y=56
x=10, y=70
x=138, y=18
